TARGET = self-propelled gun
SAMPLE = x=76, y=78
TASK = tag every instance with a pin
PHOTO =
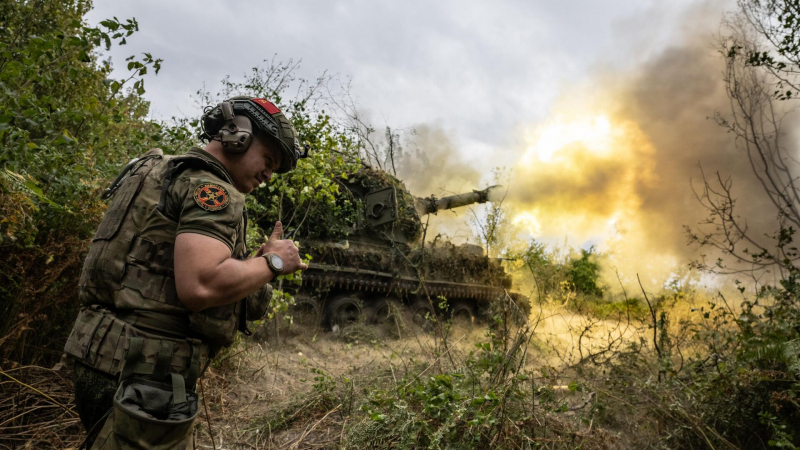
x=380, y=265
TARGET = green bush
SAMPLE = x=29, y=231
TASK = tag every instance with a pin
x=748, y=377
x=488, y=400
x=583, y=273
x=65, y=129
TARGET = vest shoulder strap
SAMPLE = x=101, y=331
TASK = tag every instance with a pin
x=179, y=164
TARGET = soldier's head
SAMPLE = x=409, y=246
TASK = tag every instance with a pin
x=253, y=138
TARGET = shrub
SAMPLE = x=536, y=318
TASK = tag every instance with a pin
x=583, y=273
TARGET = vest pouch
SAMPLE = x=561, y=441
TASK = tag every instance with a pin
x=150, y=415
x=89, y=333
x=217, y=325
x=258, y=303
x=119, y=207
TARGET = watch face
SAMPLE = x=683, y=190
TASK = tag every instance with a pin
x=277, y=262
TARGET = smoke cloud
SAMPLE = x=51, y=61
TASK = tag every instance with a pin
x=616, y=163
x=433, y=166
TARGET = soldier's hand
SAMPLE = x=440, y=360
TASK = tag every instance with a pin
x=285, y=248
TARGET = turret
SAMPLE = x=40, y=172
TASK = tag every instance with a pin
x=374, y=260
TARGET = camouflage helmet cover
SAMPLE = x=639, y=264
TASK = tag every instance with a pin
x=265, y=117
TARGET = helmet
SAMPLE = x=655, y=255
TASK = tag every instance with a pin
x=233, y=121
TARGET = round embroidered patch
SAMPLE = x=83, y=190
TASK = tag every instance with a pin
x=211, y=197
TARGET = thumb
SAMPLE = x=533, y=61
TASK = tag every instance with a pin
x=277, y=232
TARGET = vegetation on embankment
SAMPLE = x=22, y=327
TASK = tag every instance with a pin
x=64, y=129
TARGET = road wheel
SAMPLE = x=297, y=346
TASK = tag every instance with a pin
x=387, y=315
x=306, y=311
x=424, y=315
x=343, y=311
x=462, y=314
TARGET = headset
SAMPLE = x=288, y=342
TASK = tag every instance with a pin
x=236, y=132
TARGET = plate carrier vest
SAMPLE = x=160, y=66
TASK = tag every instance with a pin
x=130, y=267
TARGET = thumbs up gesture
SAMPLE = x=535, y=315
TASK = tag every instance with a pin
x=277, y=232
x=285, y=248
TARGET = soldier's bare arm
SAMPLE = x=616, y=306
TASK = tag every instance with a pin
x=206, y=275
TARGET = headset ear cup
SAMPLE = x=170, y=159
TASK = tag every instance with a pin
x=235, y=142
x=236, y=135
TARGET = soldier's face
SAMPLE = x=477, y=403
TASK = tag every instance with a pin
x=256, y=165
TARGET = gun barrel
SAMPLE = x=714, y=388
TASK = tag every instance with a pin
x=431, y=205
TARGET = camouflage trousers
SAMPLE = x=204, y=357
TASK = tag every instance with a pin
x=94, y=397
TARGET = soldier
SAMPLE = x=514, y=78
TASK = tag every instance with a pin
x=168, y=282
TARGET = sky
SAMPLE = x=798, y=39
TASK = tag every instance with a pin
x=598, y=109
x=477, y=69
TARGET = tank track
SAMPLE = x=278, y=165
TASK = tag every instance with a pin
x=323, y=276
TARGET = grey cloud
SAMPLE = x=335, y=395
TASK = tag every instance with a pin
x=481, y=67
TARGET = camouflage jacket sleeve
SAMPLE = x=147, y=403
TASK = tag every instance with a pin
x=207, y=205
x=258, y=303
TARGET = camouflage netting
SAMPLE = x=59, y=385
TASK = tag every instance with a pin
x=370, y=248
x=344, y=218
x=443, y=262
x=325, y=221
x=458, y=264
x=380, y=258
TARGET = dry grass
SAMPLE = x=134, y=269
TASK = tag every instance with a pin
x=36, y=409
x=307, y=391
x=266, y=396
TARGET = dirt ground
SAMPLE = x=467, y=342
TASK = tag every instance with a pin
x=265, y=395
x=303, y=388
x=261, y=382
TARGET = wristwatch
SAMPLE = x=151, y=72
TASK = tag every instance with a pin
x=274, y=262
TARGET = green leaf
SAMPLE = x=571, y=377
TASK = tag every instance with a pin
x=30, y=184
x=64, y=138
x=74, y=41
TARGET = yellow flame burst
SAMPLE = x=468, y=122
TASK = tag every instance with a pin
x=594, y=132
x=583, y=176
